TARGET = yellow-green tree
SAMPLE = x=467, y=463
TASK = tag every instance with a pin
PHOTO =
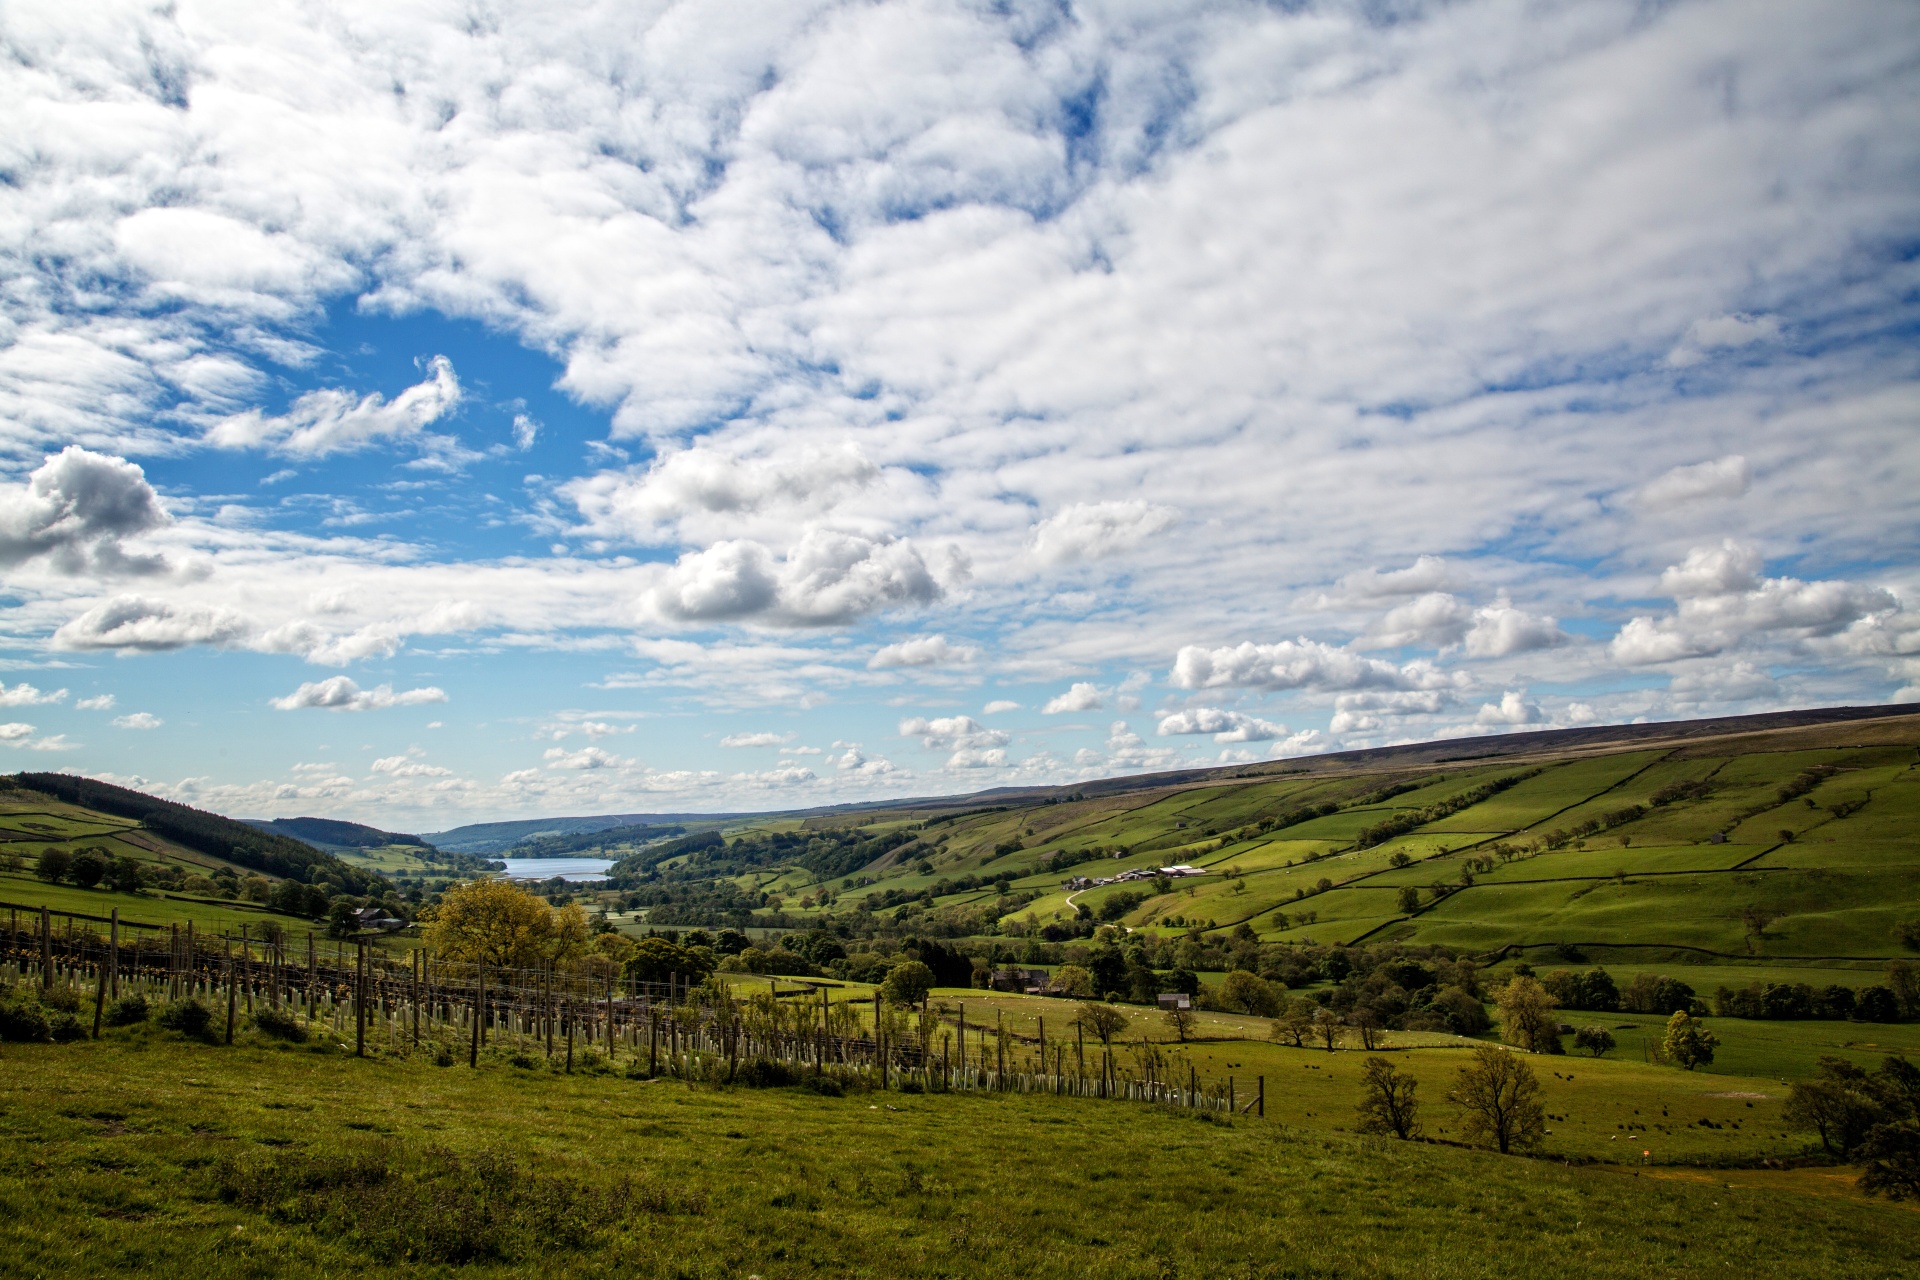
x=1501, y=1098
x=494, y=922
x=1526, y=1016
x=1687, y=1042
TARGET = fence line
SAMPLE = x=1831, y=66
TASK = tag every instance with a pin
x=675, y=1029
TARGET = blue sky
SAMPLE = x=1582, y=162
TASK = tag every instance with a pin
x=613, y=407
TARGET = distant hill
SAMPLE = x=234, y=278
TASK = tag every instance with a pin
x=322, y=832
x=209, y=833
x=495, y=837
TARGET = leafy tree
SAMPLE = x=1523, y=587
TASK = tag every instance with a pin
x=1387, y=1101
x=1181, y=1022
x=1501, y=1098
x=1908, y=932
x=1594, y=1040
x=1295, y=1022
x=907, y=983
x=1891, y=1154
x=1838, y=1105
x=1464, y=1013
x=493, y=921
x=125, y=874
x=658, y=959
x=1409, y=901
x=87, y=868
x=1687, y=1042
x=1246, y=992
x=1877, y=1004
x=1904, y=982
x=1108, y=969
x=1072, y=980
x=52, y=866
x=1102, y=1022
x=1328, y=1028
x=1526, y=1016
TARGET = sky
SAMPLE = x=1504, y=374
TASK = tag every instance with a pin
x=422, y=413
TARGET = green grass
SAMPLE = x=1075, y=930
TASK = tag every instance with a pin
x=118, y=1152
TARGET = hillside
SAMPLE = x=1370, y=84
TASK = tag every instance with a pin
x=1788, y=838
x=497, y=837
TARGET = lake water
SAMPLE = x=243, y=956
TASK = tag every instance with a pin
x=565, y=868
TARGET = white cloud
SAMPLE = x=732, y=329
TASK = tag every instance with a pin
x=75, y=513
x=339, y=693
x=406, y=767
x=827, y=578
x=1297, y=664
x=970, y=758
x=755, y=739
x=137, y=720
x=1436, y=619
x=26, y=695
x=953, y=731
x=1225, y=726
x=1081, y=696
x=102, y=702
x=20, y=736
x=1426, y=575
x=525, y=430
x=331, y=420
x=704, y=493
x=999, y=706
x=922, y=651
x=1500, y=630
x=1722, y=602
x=587, y=759
x=1728, y=477
x=1512, y=709
x=1095, y=530
x=1722, y=333
x=145, y=623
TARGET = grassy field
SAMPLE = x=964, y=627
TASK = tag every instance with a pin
x=144, y=1154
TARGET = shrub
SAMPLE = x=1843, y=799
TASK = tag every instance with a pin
x=66, y=1028
x=825, y=1086
x=24, y=1020
x=1595, y=1040
x=763, y=1073
x=280, y=1023
x=190, y=1017
x=62, y=999
x=127, y=1011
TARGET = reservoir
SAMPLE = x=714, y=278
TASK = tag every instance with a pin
x=565, y=868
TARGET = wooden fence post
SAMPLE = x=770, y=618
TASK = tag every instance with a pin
x=46, y=948
x=233, y=987
x=113, y=954
x=479, y=999
x=360, y=1000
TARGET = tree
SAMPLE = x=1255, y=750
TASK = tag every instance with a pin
x=1102, y=1022
x=492, y=921
x=1595, y=1040
x=1072, y=980
x=1891, y=1154
x=1908, y=932
x=1295, y=1022
x=1526, y=1016
x=1501, y=1097
x=1840, y=1104
x=1409, y=901
x=907, y=983
x=659, y=959
x=125, y=874
x=1368, y=1024
x=1687, y=1042
x=1328, y=1027
x=1181, y=1021
x=1246, y=992
x=1387, y=1101
x=86, y=868
x=1904, y=982
x=52, y=866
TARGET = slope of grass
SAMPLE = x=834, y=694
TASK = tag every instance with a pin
x=120, y=1152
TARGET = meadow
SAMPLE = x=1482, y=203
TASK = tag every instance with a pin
x=143, y=1153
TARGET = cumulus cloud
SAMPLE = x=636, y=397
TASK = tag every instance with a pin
x=331, y=420
x=587, y=759
x=1500, y=630
x=1298, y=664
x=1224, y=725
x=755, y=739
x=1722, y=601
x=138, y=720
x=922, y=651
x=1728, y=477
x=826, y=579
x=1437, y=619
x=26, y=695
x=407, y=767
x=75, y=513
x=20, y=736
x=1512, y=709
x=141, y=623
x=101, y=702
x=1094, y=530
x=703, y=492
x=1427, y=574
x=1081, y=696
x=946, y=732
x=1367, y=712
x=999, y=706
x=339, y=693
